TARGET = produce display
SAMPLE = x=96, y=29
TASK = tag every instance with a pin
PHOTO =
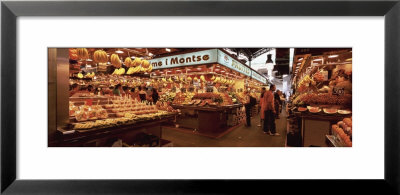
x=183, y=98
x=100, y=56
x=115, y=61
x=116, y=111
x=85, y=112
x=305, y=83
x=114, y=122
x=73, y=54
x=319, y=76
x=323, y=99
x=82, y=53
x=128, y=61
x=343, y=131
x=169, y=97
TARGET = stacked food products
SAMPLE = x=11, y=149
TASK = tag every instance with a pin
x=343, y=131
x=167, y=97
x=85, y=112
x=240, y=97
x=226, y=100
x=183, y=98
x=204, y=99
x=234, y=97
x=237, y=117
x=118, y=111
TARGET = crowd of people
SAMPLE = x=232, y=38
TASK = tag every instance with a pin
x=272, y=102
x=141, y=93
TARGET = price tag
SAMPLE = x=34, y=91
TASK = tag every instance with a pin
x=338, y=91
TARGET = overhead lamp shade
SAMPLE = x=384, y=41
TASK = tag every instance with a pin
x=269, y=59
x=269, y=63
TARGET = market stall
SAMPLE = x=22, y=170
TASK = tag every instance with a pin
x=104, y=109
x=206, y=86
x=323, y=96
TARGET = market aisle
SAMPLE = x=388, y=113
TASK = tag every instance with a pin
x=240, y=137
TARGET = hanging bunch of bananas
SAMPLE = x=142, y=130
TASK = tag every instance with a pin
x=212, y=78
x=306, y=81
x=136, y=62
x=217, y=80
x=115, y=61
x=82, y=53
x=119, y=71
x=202, y=78
x=80, y=75
x=133, y=70
x=195, y=79
x=146, y=67
x=89, y=75
x=128, y=61
x=100, y=56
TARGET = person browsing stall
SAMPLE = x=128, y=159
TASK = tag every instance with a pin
x=269, y=111
x=247, y=107
x=261, y=107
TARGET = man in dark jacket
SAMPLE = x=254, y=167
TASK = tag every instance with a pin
x=278, y=103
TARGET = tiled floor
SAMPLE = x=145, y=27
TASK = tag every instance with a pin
x=240, y=137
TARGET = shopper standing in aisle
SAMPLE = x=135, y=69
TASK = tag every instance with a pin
x=269, y=111
x=261, y=107
x=247, y=107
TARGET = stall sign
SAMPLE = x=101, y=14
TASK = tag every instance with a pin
x=187, y=59
x=228, y=61
x=257, y=76
x=338, y=91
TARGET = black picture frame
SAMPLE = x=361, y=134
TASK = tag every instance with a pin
x=10, y=10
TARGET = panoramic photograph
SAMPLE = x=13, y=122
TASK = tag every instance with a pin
x=199, y=97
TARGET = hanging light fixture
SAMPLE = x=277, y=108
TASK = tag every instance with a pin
x=119, y=51
x=269, y=65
